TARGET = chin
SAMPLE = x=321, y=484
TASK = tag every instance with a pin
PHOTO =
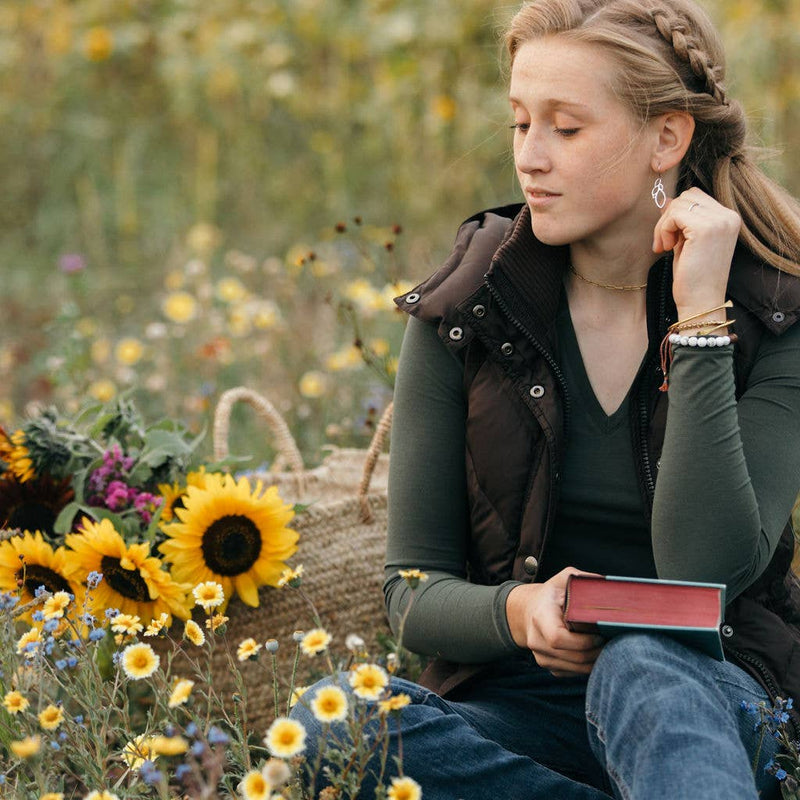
x=553, y=235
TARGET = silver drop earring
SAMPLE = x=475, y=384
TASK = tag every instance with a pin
x=658, y=194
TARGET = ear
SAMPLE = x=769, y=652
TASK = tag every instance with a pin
x=673, y=136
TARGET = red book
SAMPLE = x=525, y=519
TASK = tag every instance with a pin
x=610, y=605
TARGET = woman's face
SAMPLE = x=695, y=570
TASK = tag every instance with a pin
x=583, y=162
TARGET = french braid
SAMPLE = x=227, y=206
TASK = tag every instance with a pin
x=674, y=33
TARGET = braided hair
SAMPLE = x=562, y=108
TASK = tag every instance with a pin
x=670, y=58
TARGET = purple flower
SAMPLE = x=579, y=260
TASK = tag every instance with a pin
x=71, y=263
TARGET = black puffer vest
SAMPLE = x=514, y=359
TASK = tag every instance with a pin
x=494, y=302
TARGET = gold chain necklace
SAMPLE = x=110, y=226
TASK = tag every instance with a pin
x=607, y=285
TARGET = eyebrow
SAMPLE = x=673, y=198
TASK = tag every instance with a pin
x=553, y=102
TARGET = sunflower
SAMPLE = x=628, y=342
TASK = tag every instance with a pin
x=231, y=534
x=16, y=455
x=133, y=580
x=33, y=505
x=174, y=494
x=28, y=562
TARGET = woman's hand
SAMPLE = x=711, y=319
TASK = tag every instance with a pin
x=702, y=235
x=535, y=616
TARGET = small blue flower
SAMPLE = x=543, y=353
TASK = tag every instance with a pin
x=49, y=645
x=111, y=613
x=198, y=748
x=74, y=642
x=116, y=658
x=72, y=662
x=38, y=615
x=88, y=619
x=50, y=625
x=2, y=779
x=781, y=774
x=62, y=736
x=182, y=771
x=61, y=663
x=191, y=729
x=54, y=745
x=40, y=592
x=78, y=719
x=96, y=635
x=217, y=736
x=170, y=730
x=93, y=579
x=149, y=773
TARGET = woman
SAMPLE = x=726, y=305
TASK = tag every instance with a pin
x=533, y=436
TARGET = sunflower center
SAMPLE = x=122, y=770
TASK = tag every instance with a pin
x=35, y=575
x=33, y=517
x=127, y=582
x=231, y=544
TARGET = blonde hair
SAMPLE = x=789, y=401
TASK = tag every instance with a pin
x=669, y=58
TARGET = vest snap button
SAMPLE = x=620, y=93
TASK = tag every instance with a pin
x=531, y=565
x=479, y=311
x=506, y=348
x=412, y=298
x=456, y=334
x=537, y=391
x=778, y=316
x=727, y=631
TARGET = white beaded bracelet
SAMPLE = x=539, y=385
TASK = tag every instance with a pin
x=699, y=341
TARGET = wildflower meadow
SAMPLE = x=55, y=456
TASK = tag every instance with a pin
x=200, y=196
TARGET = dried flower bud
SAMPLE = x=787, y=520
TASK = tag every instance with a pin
x=271, y=645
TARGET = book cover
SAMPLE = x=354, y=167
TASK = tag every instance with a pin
x=689, y=611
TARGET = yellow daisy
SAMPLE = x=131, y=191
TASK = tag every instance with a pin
x=247, y=649
x=232, y=534
x=180, y=692
x=127, y=623
x=315, y=641
x=139, y=661
x=133, y=580
x=254, y=786
x=52, y=796
x=194, y=633
x=157, y=625
x=394, y=703
x=285, y=738
x=216, y=622
x=291, y=577
x=30, y=559
x=180, y=307
x=368, y=681
x=15, y=702
x=54, y=605
x=329, y=704
x=138, y=750
x=413, y=577
x=27, y=747
x=209, y=595
x=404, y=789
x=101, y=795
x=32, y=636
x=51, y=717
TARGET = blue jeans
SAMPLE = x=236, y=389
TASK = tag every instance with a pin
x=654, y=720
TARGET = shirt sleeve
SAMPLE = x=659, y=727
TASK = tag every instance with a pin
x=445, y=615
x=730, y=472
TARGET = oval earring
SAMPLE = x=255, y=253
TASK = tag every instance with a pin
x=658, y=194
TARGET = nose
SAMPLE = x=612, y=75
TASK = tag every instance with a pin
x=530, y=152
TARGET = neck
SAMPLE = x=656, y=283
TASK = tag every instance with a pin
x=605, y=263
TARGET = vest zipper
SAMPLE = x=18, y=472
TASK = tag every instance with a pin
x=551, y=362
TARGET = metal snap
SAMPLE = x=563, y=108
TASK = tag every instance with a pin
x=506, y=348
x=479, y=311
x=727, y=631
x=412, y=298
x=778, y=316
x=537, y=391
x=456, y=334
x=531, y=565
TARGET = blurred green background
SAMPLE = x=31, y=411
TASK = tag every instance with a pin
x=198, y=194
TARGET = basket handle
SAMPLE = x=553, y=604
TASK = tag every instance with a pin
x=375, y=447
x=284, y=441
